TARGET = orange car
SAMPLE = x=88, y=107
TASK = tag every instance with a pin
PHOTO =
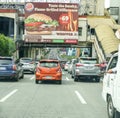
x=48, y=70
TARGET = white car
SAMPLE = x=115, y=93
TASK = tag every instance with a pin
x=28, y=64
x=111, y=86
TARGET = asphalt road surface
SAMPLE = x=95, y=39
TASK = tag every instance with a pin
x=25, y=99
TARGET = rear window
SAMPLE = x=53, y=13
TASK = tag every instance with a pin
x=26, y=60
x=49, y=64
x=5, y=61
x=88, y=61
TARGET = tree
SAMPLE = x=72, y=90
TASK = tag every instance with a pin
x=7, y=46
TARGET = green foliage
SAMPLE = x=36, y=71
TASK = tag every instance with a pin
x=7, y=46
x=67, y=57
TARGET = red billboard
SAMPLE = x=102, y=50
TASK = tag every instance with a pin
x=51, y=22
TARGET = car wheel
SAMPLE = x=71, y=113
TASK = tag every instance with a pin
x=110, y=108
x=75, y=78
x=33, y=72
x=22, y=75
x=97, y=79
x=59, y=81
x=16, y=79
x=117, y=114
x=72, y=76
x=36, y=81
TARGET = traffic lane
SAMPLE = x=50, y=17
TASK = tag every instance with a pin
x=89, y=92
x=47, y=100
x=7, y=86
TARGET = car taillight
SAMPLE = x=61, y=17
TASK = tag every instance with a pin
x=98, y=65
x=32, y=62
x=78, y=65
x=14, y=67
x=38, y=70
x=59, y=70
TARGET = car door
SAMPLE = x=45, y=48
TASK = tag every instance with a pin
x=117, y=85
x=109, y=78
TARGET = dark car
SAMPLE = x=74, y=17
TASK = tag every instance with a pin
x=9, y=69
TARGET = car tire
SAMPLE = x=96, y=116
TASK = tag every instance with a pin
x=16, y=79
x=72, y=76
x=33, y=72
x=36, y=81
x=75, y=78
x=97, y=79
x=110, y=108
x=117, y=114
x=60, y=82
x=22, y=76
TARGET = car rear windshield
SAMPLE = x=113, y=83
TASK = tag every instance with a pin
x=88, y=61
x=5, y=61
x=26, y=60
x=49, y=64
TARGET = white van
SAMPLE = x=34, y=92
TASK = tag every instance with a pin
x=111, y=86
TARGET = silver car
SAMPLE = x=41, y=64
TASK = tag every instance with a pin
x=28, y=64
x=86, y=67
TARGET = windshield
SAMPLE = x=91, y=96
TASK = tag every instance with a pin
x=88, y=61
x=26, y=60
x=49, y=64
x=5, y=61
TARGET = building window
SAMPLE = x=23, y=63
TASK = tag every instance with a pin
x=114, y=10
x=80, y=31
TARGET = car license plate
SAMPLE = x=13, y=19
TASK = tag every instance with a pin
x=48, y=77
x=2, y=68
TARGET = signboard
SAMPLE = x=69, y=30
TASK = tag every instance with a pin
x=22, y=1
x=51, y=22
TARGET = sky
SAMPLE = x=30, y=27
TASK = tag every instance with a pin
x=107, y=3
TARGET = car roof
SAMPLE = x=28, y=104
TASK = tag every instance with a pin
x=25, y=58
x=49, y=60
x=5, y=57
x=115, y=54
x=88, y=58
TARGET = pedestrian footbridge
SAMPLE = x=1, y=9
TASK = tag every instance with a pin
x=104, y=38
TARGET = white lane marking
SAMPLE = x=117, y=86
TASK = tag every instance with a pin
x=67, y=78
x=32, y=77
x=8, y=95
x=80, y=97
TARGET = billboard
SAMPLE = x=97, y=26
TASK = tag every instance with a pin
x=51, y=22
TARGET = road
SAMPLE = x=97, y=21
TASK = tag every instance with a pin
x=25, y=99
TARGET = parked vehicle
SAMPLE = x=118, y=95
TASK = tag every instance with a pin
x=9, y=69
x=66, y=65
x=62, y=64
x=86, y=67
x=111, y=86
x=28, y=64
x=48, y=70
x=70, y=66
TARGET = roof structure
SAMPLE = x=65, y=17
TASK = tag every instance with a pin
x=107, y=38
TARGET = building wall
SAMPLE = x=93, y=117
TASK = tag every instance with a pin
x=114, y=3
x=83, y=25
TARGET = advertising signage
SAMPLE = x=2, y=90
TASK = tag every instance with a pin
x=51, y=22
